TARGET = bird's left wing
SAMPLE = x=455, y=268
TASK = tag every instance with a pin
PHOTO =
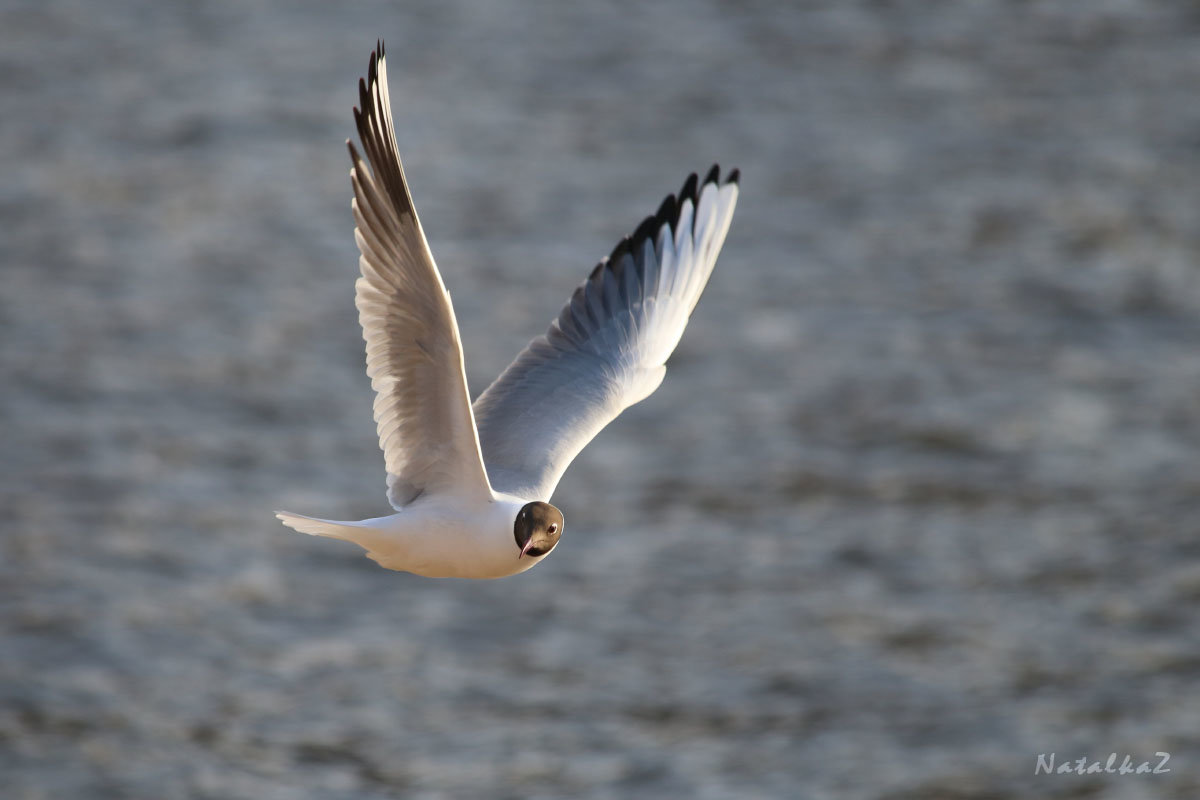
x=608, y=347
x=414, y=355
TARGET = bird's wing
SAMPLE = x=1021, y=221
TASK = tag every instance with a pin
x=608, y=348
x=414, y=356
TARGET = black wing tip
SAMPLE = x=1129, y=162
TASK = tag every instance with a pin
x=363, y=97
x=623, y=248
x=646, y=230
x=714, y=176
x=670, y=209
x=365, y=84
x=667, y=215
x=688, y=192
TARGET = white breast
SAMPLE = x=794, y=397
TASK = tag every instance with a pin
x=446, y=538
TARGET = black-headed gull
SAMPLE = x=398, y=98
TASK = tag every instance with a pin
x=470, y=483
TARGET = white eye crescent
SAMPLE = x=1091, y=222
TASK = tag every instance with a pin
x=553, y=527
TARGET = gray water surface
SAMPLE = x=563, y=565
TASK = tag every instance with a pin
x=918, y=501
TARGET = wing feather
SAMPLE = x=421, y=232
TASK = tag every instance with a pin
x=414, y=355
x=608, y=347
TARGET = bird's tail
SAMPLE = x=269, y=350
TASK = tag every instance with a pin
x=347, y=531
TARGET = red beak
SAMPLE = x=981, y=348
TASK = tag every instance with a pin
x=525, y=549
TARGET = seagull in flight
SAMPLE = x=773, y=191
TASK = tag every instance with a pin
x=471, y=483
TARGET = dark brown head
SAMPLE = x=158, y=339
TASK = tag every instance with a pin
x=537, y=528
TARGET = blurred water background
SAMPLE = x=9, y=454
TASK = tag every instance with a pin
x=918, y=500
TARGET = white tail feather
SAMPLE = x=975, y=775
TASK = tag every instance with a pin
x=347, y=531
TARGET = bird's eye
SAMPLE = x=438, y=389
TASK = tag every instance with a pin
x=553, y=527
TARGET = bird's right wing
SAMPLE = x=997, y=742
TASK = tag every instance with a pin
x=608, y=347
x=414, y=356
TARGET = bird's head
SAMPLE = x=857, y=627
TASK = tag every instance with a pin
x=537, y=529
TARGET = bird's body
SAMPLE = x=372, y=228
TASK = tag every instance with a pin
x=470, y=483
x=437, y=537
